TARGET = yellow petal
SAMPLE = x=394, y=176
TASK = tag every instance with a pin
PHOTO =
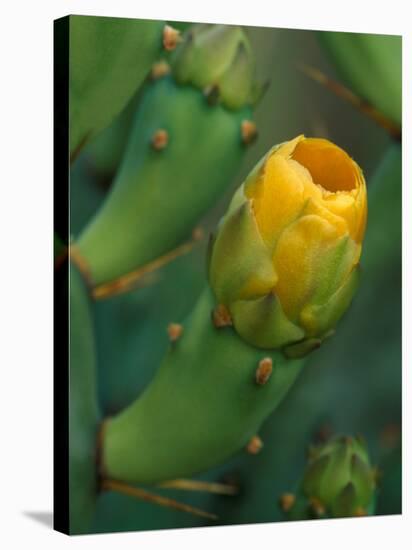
x=277, y=197
x=339, y=177
x=319, y=208
x=329, y=165
x=286, y=149
x=298, y=261
x=362, y=212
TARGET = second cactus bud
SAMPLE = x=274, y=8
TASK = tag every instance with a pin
x=339, y=481
x=285, y=257
x=219, y=60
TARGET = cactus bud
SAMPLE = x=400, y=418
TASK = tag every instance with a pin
x=340, y=478
x=284, y=259
x=218, y=58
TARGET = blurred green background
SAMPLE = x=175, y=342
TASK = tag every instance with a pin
x=351, y=385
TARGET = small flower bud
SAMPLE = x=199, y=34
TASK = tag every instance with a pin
x=217, y=59
x=339, y=478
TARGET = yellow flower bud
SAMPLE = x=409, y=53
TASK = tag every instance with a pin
x=285, y=255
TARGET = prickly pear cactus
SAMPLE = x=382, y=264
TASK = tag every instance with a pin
x=182, y=351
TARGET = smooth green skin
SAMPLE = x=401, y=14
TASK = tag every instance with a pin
x=131, y=335
x=109, y=58
x=385, y=203
x=84, y=414
x=106, y=151
x=202, y=406
x=167, y=188
x=371, y=65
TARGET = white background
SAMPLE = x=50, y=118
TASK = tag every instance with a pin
x=26, y=270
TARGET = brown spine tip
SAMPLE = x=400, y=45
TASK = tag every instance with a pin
x=316, y=506
x=175, y=331
x=221, y=316
x=160, y=140
x=198, y=233
x=264, y=371
x=160, y=69
x=360, y=512
x=248, y=131
x=81, y=263
x=255, y=445
x=286, y=501
x=171, y=38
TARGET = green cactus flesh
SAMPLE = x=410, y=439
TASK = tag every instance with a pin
x=371, y=65
x=202, y=406
x=109, y=58
x=169, y=188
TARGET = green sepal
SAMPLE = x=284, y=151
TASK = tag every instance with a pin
x=318, y=320
x=338, y=474
x=335, y=267
x=240, y=257
x=234, y=85
x=262, y=322
x=314, y=476
x=362, y=476
x=301, y=349
x=345, y=502
x=218, y=57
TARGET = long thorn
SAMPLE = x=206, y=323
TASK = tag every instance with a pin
x=347, y=95
x=201, y=486
x=141, y=494
x=130, y=280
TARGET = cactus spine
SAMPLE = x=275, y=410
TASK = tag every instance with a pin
x=371, y=65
